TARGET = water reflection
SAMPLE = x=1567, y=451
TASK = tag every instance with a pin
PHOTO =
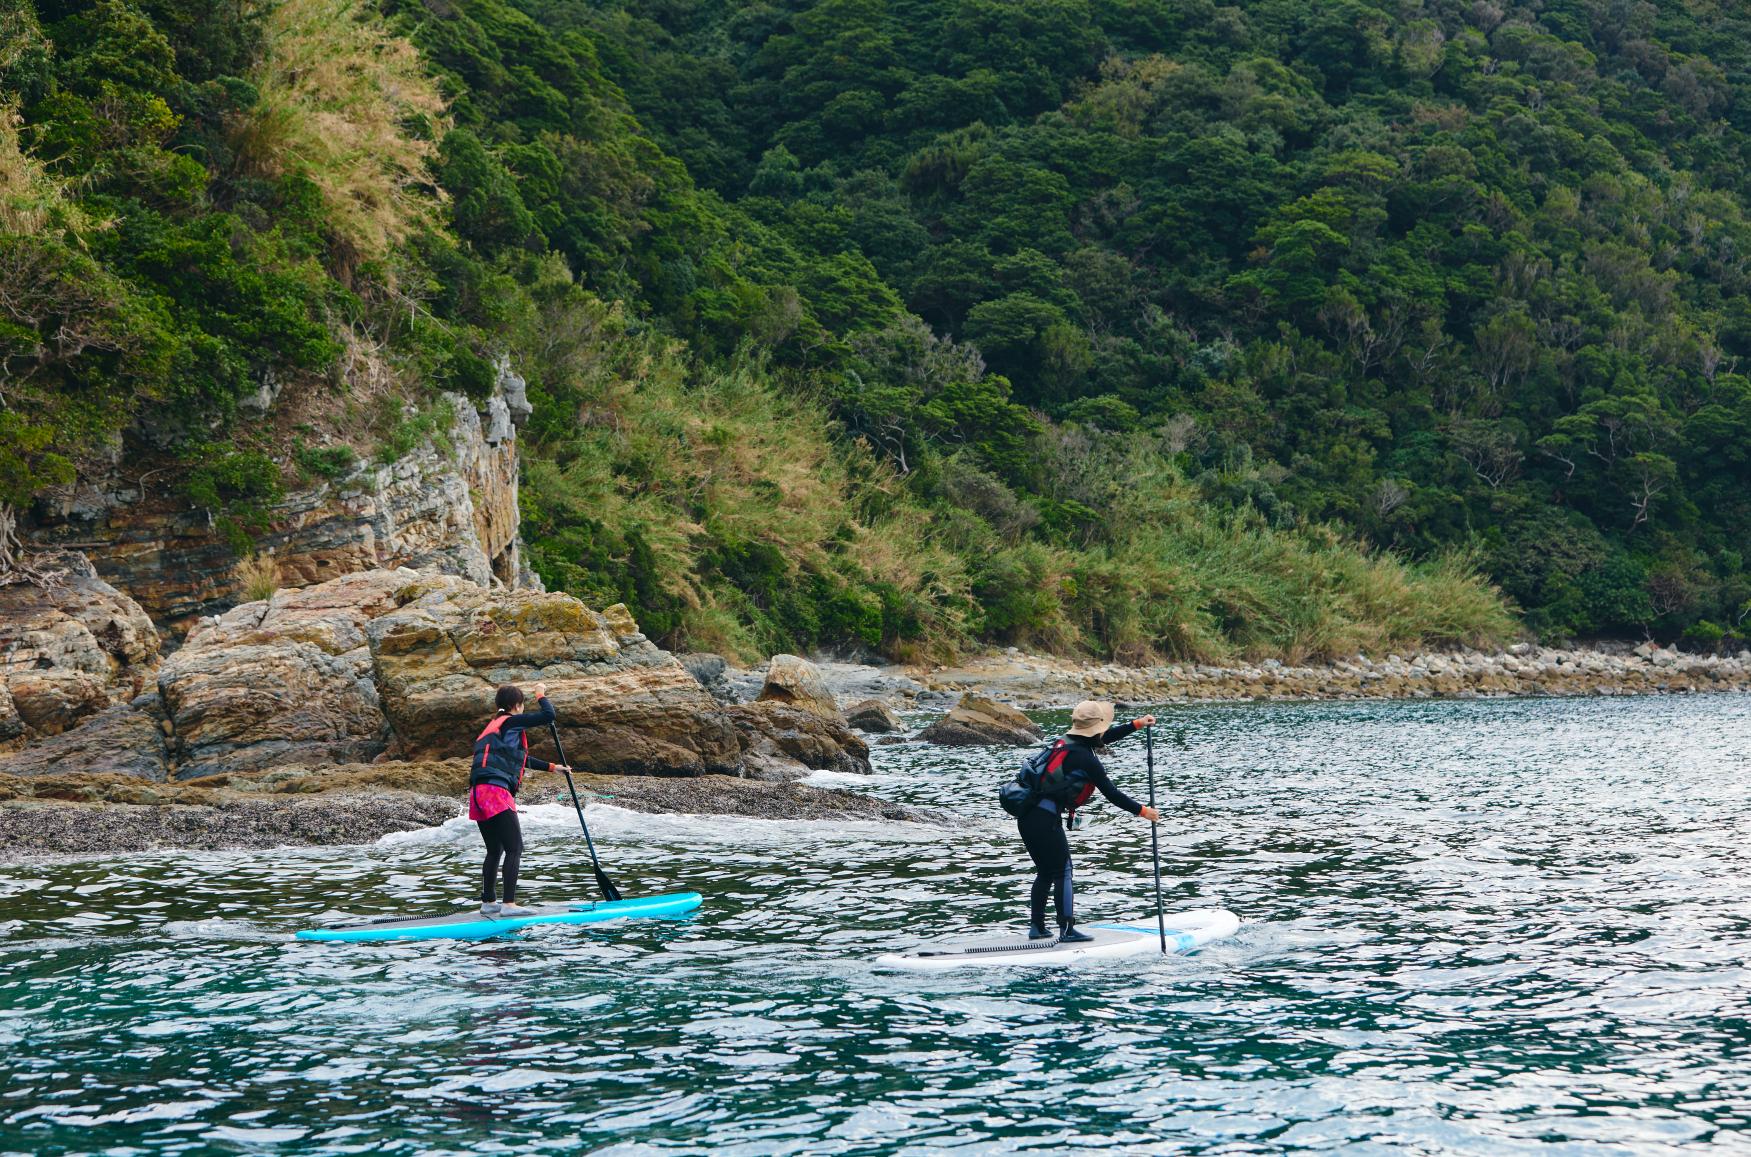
x=1478, y=928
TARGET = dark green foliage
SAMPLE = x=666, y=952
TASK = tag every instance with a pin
x=1442, y=271
x=402, y=429
x=234, y=485
x=147, y=293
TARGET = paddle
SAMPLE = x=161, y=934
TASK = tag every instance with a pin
x=1154, y=837
x=609, y=892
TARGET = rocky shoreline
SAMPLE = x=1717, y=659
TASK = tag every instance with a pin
x=1038, y=682
x=91, y=814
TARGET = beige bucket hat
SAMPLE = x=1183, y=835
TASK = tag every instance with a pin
x=1091, y=717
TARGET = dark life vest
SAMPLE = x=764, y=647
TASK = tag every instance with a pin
x=499, y=758
x=1044, y=777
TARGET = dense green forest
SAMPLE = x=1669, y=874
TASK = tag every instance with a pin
x=1147, y=329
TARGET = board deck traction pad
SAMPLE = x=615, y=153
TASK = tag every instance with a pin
x=1186, y=931
x=1009, y=945
x=1176, y=942
x=466, y=925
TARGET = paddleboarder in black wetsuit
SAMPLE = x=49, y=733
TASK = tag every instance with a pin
x=1042, y=827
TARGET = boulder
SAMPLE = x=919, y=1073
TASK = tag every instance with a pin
x=873, y=715
x=781, y=742
x=250, y=706
x=797, y=682
x=127, y=739
x=978, y=721
x=624, y=705
x=712, y=672
x=70, y=647
x=621, y=623
x=284, y=679
x=331, y=615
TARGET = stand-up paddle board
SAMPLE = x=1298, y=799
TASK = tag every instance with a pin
x=474, y=926
x=1185, y=932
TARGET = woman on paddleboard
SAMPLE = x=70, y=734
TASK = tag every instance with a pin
x=1042, y=827
x=501, y=755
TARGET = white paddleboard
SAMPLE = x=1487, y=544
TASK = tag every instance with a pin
x=1185, y=932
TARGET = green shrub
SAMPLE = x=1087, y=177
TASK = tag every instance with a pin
x=402, y=429
x=237, y=485
x=1704, y=636
x=331, y=462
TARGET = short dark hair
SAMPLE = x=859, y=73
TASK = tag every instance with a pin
x=509, y=698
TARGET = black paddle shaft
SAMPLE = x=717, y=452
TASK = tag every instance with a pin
x=1155, y=837
x=609, y=891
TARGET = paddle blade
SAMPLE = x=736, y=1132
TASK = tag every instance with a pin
x=609, y=892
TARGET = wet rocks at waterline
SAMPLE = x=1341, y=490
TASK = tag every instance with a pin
x=874, y=716
x=979, y=721
x=1524, y=669
x=402, y=665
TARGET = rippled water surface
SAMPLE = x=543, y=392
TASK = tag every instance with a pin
x=1487, y=928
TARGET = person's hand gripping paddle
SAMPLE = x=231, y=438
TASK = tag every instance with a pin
x=609, y=891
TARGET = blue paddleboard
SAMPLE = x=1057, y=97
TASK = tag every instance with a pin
x=474, y=926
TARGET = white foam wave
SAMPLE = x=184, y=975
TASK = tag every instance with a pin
x=556, y=821
x=216, y=928
x=847, y=779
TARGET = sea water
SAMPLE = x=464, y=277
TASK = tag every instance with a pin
x=1472, y=928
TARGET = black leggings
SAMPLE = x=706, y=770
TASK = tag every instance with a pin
x=504, y=837
x=1043, y=833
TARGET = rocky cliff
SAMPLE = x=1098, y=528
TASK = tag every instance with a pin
x=449, y=506
x=400, y=664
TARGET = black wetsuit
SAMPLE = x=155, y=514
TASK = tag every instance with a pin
x=503, y=833
x=1043, y=833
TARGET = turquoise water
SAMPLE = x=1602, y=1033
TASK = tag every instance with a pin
x=1488, y=928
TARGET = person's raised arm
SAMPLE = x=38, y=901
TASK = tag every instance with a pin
x=538, y=718
x=1120, y=731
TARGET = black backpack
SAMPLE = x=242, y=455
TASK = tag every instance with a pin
x=1042, y=776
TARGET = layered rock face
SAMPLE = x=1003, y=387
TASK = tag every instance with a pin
x=288, y=679
x=451, y=509
x=625, y=706
x=68, y=650
x=126, y=740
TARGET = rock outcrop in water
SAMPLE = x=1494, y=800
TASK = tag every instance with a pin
x=977, y=720
x=404, y=665
x=874, y=716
